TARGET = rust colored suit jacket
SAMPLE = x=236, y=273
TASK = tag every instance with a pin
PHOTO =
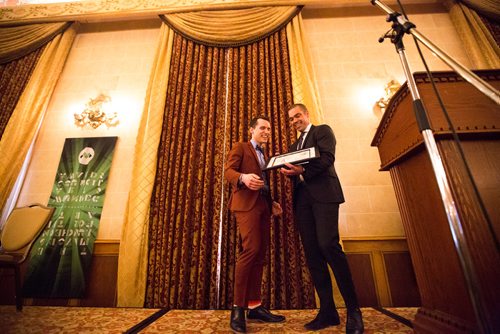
x=242, y=159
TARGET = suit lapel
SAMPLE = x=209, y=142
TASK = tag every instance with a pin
x=293, y=147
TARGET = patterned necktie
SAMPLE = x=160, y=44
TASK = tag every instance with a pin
x=301, y=140
x=261, y=156
x=262, y=163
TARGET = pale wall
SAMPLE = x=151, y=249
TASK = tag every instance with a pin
x=112, y=58
x=352, y=69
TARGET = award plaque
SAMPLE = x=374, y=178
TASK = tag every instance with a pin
x=295, y=158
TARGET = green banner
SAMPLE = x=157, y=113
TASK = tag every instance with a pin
x=60, y=259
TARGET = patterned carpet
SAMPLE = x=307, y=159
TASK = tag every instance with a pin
x=49, y=319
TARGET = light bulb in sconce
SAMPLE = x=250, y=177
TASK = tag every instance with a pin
x=94, y=114
x=390, y=89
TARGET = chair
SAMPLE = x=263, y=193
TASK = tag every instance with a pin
x=19, y=232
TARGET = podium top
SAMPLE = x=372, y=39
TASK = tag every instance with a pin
x=470, y=111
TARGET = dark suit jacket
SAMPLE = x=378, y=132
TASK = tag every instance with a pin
x=242, y=159
x=320, y=176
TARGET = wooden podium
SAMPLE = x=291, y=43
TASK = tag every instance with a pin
x=447, y=306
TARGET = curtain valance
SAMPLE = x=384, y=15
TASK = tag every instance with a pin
x=479, y=43
x=18, y=41
x=489, y=8
x=30, y=108
x=231, y=28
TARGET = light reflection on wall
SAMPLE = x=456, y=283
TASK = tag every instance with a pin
x=366, y=95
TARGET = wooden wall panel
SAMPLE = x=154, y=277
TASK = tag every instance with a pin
x=7, y=284
x=362, y=275
x=101, y=289
x=382, y=272
x=381, y=269
x=401, y=278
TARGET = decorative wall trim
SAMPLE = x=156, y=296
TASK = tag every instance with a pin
x=86, y=11
x=104, y=247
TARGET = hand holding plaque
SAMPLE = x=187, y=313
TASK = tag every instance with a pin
x=296, y=158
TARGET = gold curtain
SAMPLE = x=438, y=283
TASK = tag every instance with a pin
x=186, y=202
x=189, y=193
x=479, y=44
x=490, y=8
x=230, y=27
x=133, y=260
x=305, y=88
x=260, y=82
x=133, y=246
x=29, y=110
x=14, y=76
x=18, y=41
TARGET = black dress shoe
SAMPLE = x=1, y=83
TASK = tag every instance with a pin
x=354, y=323
x=262, y=314
x=237, y=322
x=323, y=320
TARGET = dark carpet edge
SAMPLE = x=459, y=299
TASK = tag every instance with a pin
x=394, y=316
x=146, y=322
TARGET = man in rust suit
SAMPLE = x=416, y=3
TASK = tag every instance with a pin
x=252, y=206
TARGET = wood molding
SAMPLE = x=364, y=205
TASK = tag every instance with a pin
x=378, y=250
x=101, y=10
x=103, y=247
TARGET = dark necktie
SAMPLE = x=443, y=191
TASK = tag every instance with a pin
x=261, y=156
x=262, y=164
x=301, y=140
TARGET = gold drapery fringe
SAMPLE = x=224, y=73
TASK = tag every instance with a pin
x=230, y=28
x=18, y=41
x=29, y=111
x=479, y=44
x=133, y=259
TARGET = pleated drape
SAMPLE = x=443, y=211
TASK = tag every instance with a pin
x=480, y=44
x=305, y=86
x=186, y=202
x=20, y=49
x=260, y=83
x=212, y=95
x=30, y=108
x=14, y=76
x=231, y=28
x=18, y=41
x=147, y=218
x=133, y=259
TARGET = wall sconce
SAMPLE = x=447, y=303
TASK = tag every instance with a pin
x=390, y=89
x=94, y=114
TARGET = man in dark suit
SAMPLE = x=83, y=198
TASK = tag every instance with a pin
x=317, y=196
x=252, y=206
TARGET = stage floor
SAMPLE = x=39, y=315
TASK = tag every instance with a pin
x=50, y=319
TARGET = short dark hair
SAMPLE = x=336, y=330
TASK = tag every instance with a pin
x=300, y=106
x=253, y=121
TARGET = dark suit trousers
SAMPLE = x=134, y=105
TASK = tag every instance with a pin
x=319, y=231
x=254, y=228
